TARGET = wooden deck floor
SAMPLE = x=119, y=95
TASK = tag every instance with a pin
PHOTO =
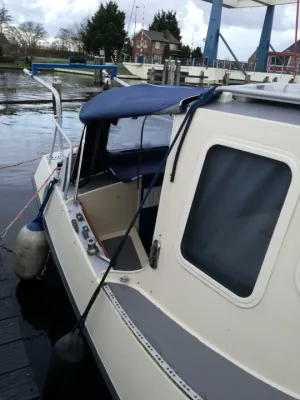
x=17, y=380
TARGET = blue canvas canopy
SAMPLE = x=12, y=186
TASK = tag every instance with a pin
x=138, y=100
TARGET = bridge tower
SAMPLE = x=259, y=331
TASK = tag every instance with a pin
x=212, y=37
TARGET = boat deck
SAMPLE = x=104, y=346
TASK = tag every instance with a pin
x=17, y=381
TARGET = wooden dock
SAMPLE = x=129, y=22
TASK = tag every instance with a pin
x=17, y=381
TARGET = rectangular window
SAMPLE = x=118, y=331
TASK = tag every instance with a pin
x=236, y=206
x=145, y=44
x=173, y=46
x=157, y=45
x=138, y=43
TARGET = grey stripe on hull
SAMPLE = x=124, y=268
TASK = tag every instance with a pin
x=209, y=374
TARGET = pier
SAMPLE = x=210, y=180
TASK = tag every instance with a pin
x=17, y=380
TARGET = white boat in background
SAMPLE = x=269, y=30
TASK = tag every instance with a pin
x=204, y=300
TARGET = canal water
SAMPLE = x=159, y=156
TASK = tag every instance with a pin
x=26, y=132
x=45, y=313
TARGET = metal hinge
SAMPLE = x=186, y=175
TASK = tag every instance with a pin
x=154, y=254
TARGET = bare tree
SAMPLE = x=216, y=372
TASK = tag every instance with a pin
x=5, y=18
x=77, y=32
x=13, y=35
x=64, y=37
x=32, y=33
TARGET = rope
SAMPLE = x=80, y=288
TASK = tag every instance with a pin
x=19, y=215
x=28, y=161
x=20, y=163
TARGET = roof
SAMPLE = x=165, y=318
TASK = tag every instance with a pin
x=165, y=36
x=138, y=100
x=3, y=40
x=283, y=53
x=292, y=47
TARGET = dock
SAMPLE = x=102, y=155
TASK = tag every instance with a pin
x=17, y=381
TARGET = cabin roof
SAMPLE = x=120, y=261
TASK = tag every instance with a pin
x=138, y=100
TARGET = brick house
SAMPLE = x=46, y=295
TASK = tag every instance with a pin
x=4, y=43
x=153, y=45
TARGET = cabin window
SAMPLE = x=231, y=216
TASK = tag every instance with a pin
x=126, y=135
x=237, y=203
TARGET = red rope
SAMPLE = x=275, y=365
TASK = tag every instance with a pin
x=296, y=39
x=20, y=163
x=28, y=161
x=4, y=232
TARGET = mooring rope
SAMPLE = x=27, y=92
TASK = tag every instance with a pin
x=28, y=161
x=20, y=163
x=19, y=215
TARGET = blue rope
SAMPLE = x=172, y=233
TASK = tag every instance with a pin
x=204, y=99
x=49, y=190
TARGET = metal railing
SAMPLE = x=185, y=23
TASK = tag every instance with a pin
x=59, y=132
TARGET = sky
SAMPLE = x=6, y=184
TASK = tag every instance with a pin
x=240, y=27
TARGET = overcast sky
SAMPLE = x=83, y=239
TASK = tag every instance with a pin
x=240, y=27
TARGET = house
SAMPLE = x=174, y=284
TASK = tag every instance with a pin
x=292, y=48
x=276, y=59
x=3, y=40
x=153, y=45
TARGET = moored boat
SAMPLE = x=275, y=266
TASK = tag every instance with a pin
x=202, y=301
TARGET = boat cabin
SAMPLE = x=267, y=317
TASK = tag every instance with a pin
x=120, y=157
x=204, y=300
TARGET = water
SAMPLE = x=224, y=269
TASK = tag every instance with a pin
x=45, y=313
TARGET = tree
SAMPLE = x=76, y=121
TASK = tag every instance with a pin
x=31, y=33
x=166, y=21
x=77, y=33
x=185, y=51
x=64, y=38
x=14, y=35
x=197, y=52
x=5, y=18
x=127, y=51
x=106, y=29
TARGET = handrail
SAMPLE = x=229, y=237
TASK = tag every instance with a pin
x=121, y=82
x=112, y=67
x=253, y=91
x=58, y=117
x=58, y=108
x=70, y=156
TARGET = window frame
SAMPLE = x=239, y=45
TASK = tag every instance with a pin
x=157, y=43
x=138, y=44
x=145, y=44
x=279, y=231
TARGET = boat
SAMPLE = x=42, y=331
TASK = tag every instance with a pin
x=203, y=300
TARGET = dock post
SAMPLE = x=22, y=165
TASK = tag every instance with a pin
x=151, y=75
x=264, y=43
x=171, y=77
x=226, y=78
x=177, y=72
x=201, y=78
x=212, y=37
x=97, y=72
x=165, y=73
